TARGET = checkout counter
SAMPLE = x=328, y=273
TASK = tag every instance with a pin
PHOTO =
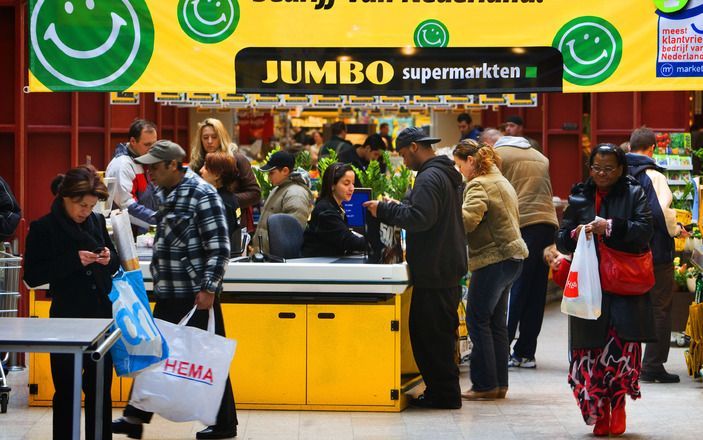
x=312, y=334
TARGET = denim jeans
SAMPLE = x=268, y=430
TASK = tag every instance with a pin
x=529, y=292
x=487, y=323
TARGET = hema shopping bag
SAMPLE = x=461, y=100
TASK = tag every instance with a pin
x=141, y=344
x=582, y=293
x=189, y=384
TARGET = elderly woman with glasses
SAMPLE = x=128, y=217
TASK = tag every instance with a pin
x=606, y=353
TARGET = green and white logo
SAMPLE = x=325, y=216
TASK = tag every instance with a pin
x=91, y=44
x=208, y=21
x=431, y=33
x=591, y=48
x=670, y=6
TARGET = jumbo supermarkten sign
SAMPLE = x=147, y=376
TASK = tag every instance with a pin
x=365, y=46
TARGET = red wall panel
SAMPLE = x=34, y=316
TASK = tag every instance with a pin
x=614, y=110
x=52, y=109
x=48, y=154
x=565, y=162
x=7, y=157
x=91, y=144
x=7, y=66
x=665, y=111
x=91, y=109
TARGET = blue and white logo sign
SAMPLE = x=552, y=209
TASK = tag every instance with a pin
x=680, y=42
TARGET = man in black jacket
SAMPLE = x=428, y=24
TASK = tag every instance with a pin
x=643, y=168
x=436, y=254
x=10, y=213
x=338, y=140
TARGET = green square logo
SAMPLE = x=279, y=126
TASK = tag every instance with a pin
x=531, y=72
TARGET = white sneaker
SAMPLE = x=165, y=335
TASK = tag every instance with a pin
x=516, y=361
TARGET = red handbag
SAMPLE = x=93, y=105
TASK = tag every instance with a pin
x=623, y=273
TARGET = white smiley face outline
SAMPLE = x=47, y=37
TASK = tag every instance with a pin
x=580, y=60
x=607, y=32
x=85, y=54
x=436, y=27
x=222, y=18
x=52, y=35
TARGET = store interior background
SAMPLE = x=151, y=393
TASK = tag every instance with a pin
x=42, y=134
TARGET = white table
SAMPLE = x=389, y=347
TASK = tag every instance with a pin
x=63, y=335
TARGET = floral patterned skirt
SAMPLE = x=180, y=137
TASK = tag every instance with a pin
x=603, y=376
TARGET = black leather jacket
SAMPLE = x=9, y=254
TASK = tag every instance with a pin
x=627, y=206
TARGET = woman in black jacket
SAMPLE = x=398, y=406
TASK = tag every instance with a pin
x=220, y=170
x=70, y=250
x=328, y=234
x=606, y=353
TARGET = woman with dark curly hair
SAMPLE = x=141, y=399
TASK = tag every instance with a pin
x=606, y=354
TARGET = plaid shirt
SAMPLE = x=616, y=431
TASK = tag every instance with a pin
x=191, y=247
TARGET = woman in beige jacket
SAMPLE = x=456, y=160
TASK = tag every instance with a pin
x=496, y=251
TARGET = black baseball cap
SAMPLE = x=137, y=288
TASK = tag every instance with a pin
x=515, y=119
x=279, y=159
x=162, y=151
x=413, y=134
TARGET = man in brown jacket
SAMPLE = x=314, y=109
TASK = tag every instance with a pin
x=528, y=171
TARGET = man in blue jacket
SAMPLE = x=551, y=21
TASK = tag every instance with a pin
x=436, y=254
x=645, y=170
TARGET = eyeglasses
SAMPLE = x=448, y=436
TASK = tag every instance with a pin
x=606, y=171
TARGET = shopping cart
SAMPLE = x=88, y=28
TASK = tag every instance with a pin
x=9, y=299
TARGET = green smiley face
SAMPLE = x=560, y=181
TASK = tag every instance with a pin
x=208, y=21
x=431, y=33
x=591, y=48
x=90, y=44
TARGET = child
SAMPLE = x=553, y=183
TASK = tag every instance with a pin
x=559, y=263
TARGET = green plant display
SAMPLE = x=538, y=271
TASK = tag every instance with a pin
x=399, y=183
x=324, y=162
x=372, y=178
x=683, y=202
x=303, y=160
x=262, y=178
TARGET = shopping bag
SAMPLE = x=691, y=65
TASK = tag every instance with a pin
x=124, y=239
x=141, y=344
x=189, y=384
x=582, y=293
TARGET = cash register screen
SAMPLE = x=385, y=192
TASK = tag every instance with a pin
x=354, y=209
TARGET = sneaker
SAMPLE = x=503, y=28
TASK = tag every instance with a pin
x=661, y=377
x=517, y=361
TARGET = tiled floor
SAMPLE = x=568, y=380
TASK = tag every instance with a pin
x=539, y=406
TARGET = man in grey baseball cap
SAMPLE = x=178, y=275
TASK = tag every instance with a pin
x=192, y=227
x=162, y=151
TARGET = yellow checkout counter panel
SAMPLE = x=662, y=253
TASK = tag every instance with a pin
x=312, y=333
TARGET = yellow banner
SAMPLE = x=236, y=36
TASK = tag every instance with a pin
x=191, y=45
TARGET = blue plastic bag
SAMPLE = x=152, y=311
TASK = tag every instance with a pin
x=141, y=344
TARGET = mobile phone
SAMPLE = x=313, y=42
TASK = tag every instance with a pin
x=98, y=250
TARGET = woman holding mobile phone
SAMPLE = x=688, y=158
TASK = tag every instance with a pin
x=70, y=249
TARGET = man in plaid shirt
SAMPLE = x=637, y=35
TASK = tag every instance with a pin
x=191, y=251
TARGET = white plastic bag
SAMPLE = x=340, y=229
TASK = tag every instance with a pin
x=582, y=293
x=189, y=385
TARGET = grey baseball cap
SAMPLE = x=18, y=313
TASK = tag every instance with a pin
x=162, y=151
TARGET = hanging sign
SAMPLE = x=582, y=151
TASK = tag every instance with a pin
x=169, y=97
x=205, y=46
x=392, y=71
x=124, y=98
